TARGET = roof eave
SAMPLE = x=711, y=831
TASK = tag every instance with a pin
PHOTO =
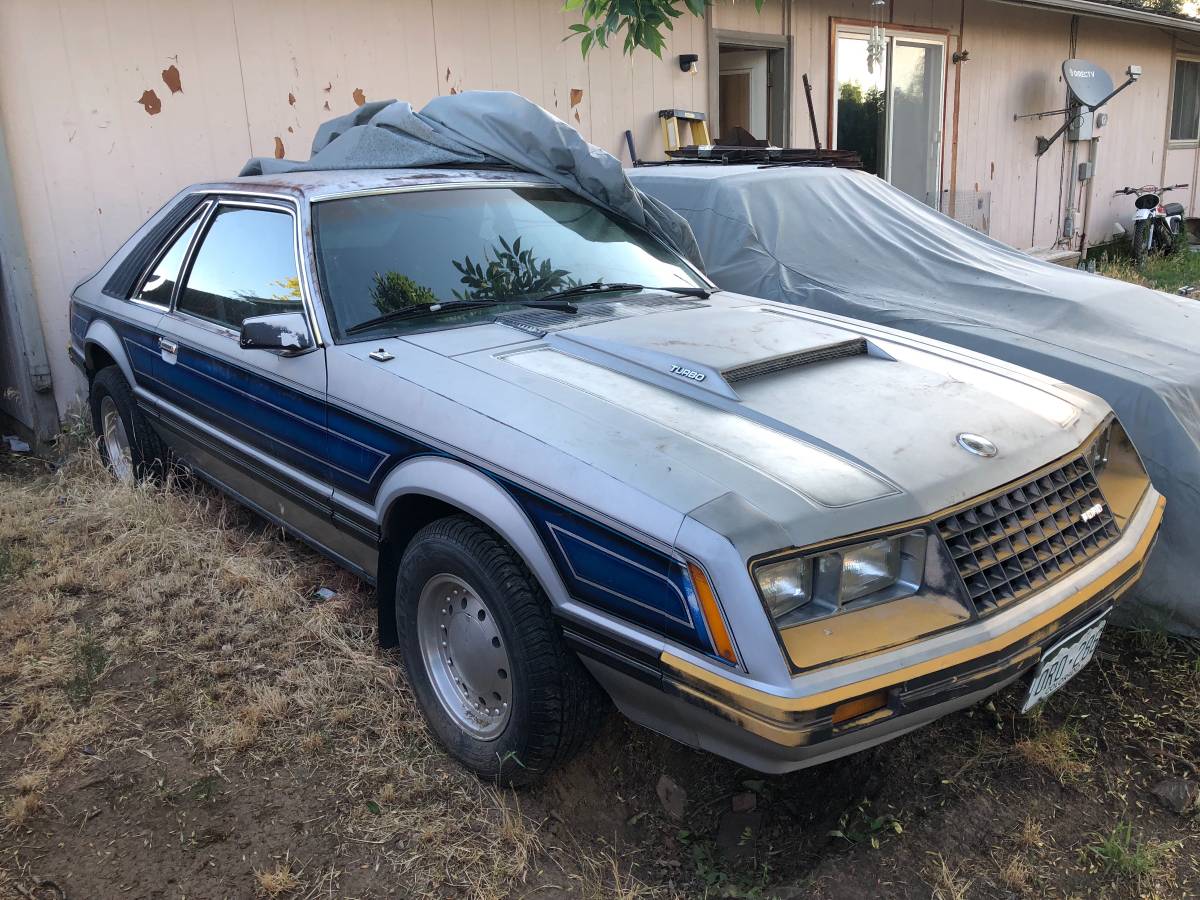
x=1101, y=10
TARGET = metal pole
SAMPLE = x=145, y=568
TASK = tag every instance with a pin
x=812, y=113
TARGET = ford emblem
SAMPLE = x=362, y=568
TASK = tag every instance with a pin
x=977, y=444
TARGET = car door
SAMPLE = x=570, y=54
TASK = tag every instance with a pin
x=254, y=421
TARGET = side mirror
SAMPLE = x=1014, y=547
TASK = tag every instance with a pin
x=284, y=332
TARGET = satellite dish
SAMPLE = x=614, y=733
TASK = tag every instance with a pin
x=1088, y=83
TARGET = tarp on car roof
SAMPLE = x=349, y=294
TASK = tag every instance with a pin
x=848, y=243
x=483, y=128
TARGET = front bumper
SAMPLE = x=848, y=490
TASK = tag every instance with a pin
x=782, y=730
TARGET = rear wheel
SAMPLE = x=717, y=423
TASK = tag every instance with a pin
x=128, y=444
x=485, y=659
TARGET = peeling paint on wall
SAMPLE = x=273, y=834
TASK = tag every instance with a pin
x=278, y=147
x=359, y=97
x=170, y=77
x=291, y=99
x=327, y=104
x=576, y=96
x=150, y=102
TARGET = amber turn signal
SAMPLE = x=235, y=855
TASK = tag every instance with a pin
x=859, y=706
x=721, y=641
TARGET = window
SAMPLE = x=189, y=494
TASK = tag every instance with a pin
x=384, y=252
x=1185, y=106
x=160, y=283
x=246, y=266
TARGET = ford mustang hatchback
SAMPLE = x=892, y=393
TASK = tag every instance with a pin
x=575, y=470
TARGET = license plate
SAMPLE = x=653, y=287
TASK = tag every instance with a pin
x=1062, y=662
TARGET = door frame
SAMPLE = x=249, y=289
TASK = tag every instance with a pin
x=892, y=29
x=779, y=79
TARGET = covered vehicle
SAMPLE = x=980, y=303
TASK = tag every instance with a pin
x=848, y=243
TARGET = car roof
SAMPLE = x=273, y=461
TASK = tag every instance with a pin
x=336, y=182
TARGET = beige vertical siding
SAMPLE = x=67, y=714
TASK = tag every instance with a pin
x=90, y=163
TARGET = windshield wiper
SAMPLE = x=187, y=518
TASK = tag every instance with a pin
x=416, y=312
x=601, y=287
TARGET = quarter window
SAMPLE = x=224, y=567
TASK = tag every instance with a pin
x=246, y=266
x=158, y=286
x=1185, y=106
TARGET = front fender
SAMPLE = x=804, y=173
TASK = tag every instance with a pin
x=476, y=494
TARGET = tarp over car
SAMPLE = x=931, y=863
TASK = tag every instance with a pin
x=848, y=243
x=482, y=128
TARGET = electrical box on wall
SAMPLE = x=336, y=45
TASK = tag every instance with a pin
x=1080, y=128
x=1085, y=170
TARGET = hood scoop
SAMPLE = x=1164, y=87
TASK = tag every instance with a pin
x=708, y=350
x=807, y=356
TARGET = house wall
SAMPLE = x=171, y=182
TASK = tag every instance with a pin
x=90, y=162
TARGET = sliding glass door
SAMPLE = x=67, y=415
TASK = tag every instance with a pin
x=888, y=103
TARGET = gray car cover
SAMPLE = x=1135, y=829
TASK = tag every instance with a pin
x=483, y=128
x=849, y=243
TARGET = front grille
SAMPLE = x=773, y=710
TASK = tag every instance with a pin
x=1018, y=541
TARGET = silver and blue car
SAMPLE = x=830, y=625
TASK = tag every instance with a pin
x=576, y=471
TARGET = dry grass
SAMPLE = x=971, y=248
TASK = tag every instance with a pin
x=120, y=588
x=279, y=881
x=947, y=882
x=1055, y=751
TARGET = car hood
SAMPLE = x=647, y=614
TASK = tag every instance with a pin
x=789, y=408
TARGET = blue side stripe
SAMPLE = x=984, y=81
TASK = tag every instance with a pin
x=600, y=566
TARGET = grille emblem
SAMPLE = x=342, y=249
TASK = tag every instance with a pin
x=1091, y=512
x=977, y=444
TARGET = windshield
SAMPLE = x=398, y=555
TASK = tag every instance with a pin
x=382, y=253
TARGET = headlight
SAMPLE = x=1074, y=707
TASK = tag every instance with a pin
x=809, y=587
x=1118, y=470
x=786, y=586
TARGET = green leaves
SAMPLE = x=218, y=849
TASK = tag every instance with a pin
x=508, y=272
x=642, y=21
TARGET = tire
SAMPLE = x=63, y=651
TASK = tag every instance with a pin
x=146, y=456
x=1141, y=236
x=458, y=581
x=1168, y=241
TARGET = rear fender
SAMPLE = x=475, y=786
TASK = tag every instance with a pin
x=101, y=334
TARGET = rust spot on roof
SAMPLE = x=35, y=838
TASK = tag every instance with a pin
x=278, y=147
x=576, y=96
x=291, y=99
x=150, y=102
x=170, y=77
x=359, y=97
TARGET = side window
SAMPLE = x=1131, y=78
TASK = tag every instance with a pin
x=158, y=286
x=246, y=266
x=1185, y=105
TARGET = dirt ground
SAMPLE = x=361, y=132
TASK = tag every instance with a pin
x=182, y=715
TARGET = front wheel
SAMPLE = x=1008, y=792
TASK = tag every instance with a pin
x=1141, y=241
x=485, y=659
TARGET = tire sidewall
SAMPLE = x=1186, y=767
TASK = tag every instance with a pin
x=434, y=555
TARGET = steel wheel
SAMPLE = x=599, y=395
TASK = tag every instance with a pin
x=465, y=656
x=116, y=441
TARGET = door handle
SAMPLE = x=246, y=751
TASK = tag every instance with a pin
x=167, y=346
